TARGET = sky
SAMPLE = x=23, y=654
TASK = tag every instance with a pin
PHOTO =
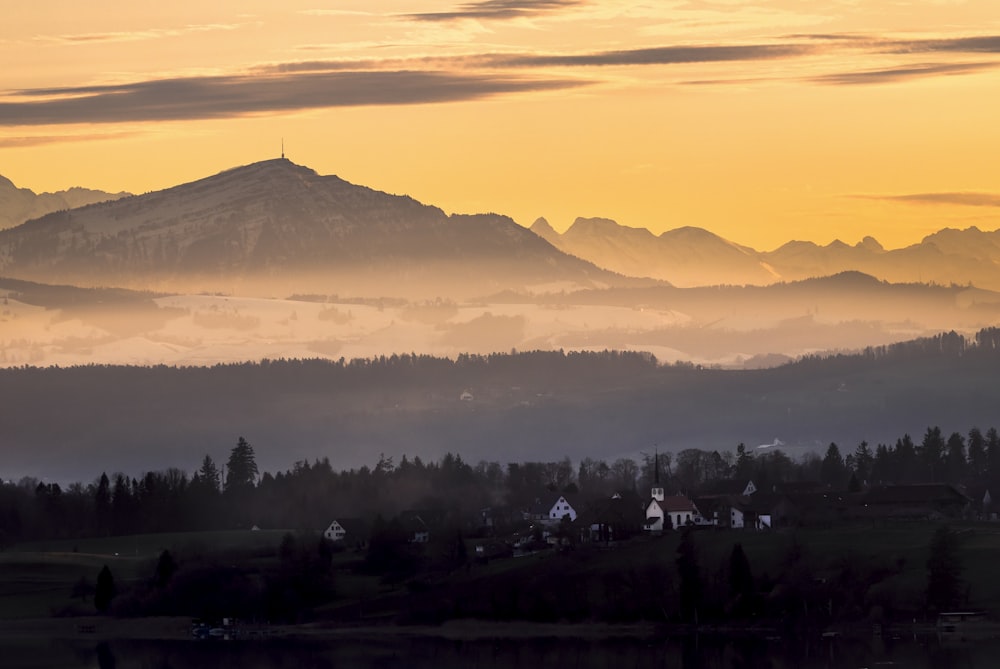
x=762, y=121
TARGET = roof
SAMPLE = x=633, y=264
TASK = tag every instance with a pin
x=921, y=493
x=720, y=502
x=677, y=504
x=798, y=487
x=544, y=503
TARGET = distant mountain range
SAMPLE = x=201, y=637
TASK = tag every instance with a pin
x=276, y=228
x=695, y=257
x=18, y=205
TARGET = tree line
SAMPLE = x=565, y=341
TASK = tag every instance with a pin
x=310, y=495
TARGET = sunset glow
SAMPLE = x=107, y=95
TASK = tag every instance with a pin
x=761, y=121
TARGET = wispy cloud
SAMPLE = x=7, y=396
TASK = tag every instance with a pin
x=903, y=73
x=213, y=97
x=336, y=12
x=39, y=140
x=664, y=55
x=135, y=35
x=498, y=10
x=971, y=199
x=976, y=44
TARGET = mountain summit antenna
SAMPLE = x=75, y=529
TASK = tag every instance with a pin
x=282, y=148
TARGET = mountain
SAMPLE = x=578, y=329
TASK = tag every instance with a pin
x=275, y=227
x=684, y=257
x=691, y=256
x=18, y=205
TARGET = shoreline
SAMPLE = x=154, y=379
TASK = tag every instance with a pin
x=102, y=628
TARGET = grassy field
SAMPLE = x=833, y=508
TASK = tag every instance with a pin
x=38, y=579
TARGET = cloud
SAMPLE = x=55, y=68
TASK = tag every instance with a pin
x=978, y=44
x=664, y=55
x=905, y=73
x=39, y=140
x=135, y=35
x=498, y=10
x=971, y=199
x=213, y=97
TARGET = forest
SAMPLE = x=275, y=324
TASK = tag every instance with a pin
x=234, y=494
x=63, y=424
x=798, y=578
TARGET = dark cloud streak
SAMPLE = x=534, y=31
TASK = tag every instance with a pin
x=231, y=96
x=39, y=140
x=971, y=199
x=664, y=55
x=897, y=74
x=498, y=10
x=978, y=44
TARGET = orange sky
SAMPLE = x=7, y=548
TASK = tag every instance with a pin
x=760, y=120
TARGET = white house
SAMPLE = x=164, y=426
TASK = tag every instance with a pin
x=551, y=510
x=561, y=507
x=351, y=531
x=335, y=532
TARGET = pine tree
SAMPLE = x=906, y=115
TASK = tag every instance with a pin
x=241, y=470
x=944, y=570
x=104, y=591
x=102, y=505
x=209, y=474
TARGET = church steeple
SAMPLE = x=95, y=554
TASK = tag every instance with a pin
x=657, y=491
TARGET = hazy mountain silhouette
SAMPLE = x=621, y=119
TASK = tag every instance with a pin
x=684, y=257
x=18, y=205
x=538, y=406
x=695, y=257
x=277, y=228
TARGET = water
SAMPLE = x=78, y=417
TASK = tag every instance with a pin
x=685, y=653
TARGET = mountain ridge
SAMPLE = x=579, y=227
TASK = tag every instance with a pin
x=690, y=256
x=18, y=205
x=275, y=226
x=275, y=221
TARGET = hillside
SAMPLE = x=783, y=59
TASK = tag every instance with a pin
x=276, y=228
x=529, y=406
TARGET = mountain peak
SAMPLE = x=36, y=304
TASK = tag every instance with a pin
x=603, y=226
x=542, y=227
x=869, y=243
x=274, y=225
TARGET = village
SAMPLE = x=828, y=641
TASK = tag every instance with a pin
x=566, y=519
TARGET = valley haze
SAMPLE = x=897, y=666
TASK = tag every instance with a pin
x=386, y=325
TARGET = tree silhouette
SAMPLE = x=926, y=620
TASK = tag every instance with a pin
x=102, y=504
x=104, y=591
x=944, y=570
x=741, y=584
x=241, y=470
x=209, y=473
x=166, y=567
x=833, y=471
